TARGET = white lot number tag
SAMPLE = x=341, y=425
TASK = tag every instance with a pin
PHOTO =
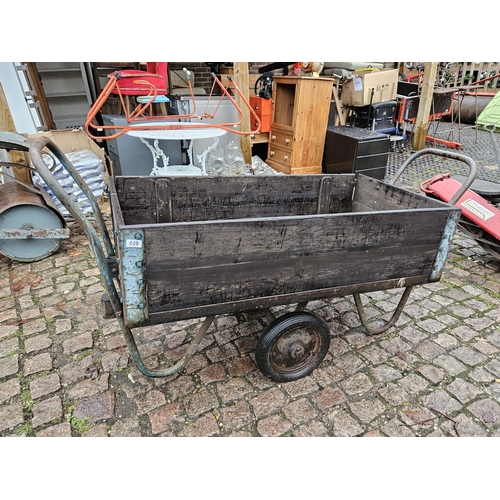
x=358, y=83
x=477, y=209
x=133, y=243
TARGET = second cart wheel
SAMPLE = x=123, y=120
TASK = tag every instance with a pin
x=292, y=346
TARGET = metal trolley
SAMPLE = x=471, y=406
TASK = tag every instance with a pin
x=197, y=247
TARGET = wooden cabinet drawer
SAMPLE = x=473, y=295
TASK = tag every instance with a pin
x=280, y=155
x=281, y=138
x=261, y=106
x=265, y=123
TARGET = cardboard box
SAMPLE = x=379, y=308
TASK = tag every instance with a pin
x=358, y=90
x=72, y=140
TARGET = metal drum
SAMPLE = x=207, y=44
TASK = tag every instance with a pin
x=30, y=227
x=470, y=106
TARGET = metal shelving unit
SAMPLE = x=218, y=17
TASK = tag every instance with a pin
x=67, y=90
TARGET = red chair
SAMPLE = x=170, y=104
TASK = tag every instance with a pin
x=136, y=83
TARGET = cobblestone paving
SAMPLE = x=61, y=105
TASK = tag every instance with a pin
x=65, y=371
x=476, y=143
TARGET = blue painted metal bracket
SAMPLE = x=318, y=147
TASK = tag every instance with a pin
x=132, y=276
x=444, y=246
x=28, y=234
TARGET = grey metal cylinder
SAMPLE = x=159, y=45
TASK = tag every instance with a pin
x=27, y=224
x=469, y=106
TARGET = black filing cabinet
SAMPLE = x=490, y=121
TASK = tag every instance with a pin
x=356, y=150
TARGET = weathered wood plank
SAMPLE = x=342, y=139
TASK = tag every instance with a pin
x=199, y=199
x=239, y=243
x=198, y=264
x=251, y=304
x=424, y=107
x=7, y=125
x=375, y=195
x=242, y=81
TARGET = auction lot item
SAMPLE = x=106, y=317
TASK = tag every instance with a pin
x=201, y=246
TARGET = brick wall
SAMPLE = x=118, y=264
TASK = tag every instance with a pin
x=204, y=79
x=203, y=73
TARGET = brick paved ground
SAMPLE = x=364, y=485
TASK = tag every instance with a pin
x=64, y=370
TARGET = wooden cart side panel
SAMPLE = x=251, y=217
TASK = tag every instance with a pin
x=247, y=197
x=251, y=304
x=371, y=194
x=147, y=200
x=137, y=199
x=191, y=265
x=114, y=202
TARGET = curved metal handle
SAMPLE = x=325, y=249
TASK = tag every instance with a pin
x=100, y=257
x=76, y=212
x=447, y=154
x=491, y=127
x=49, y=179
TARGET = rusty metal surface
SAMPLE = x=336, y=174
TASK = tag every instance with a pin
x=30, y=226
x=33, y=234
x=13, y=194
x=13, y=141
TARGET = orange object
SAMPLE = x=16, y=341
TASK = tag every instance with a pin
x=262, y=108
x=137, y=119
x=265, y=124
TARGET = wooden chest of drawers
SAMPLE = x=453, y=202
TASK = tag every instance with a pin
x=299, y=119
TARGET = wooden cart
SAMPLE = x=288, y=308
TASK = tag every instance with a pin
x=193, y=247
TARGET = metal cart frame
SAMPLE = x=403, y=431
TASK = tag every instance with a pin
x=343, y=234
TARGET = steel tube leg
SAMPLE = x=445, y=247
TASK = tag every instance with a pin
x=397, y=313
x=134, y=352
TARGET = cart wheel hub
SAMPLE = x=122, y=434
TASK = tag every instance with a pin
x=296, y=350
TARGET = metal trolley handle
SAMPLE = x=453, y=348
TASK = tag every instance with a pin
x=388, y=324
x=406, y=294
x=100, y=255
x=447, y=154
x=51, y=181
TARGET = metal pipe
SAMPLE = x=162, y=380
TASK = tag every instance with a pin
x=63, y=197
x=137, y=121
x=99, y=254
x=399, y=309
x=75, y=211
x=448, y=154
x=134, y=352
x=491, y=129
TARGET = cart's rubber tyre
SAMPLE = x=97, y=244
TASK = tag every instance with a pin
x=292, y=346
